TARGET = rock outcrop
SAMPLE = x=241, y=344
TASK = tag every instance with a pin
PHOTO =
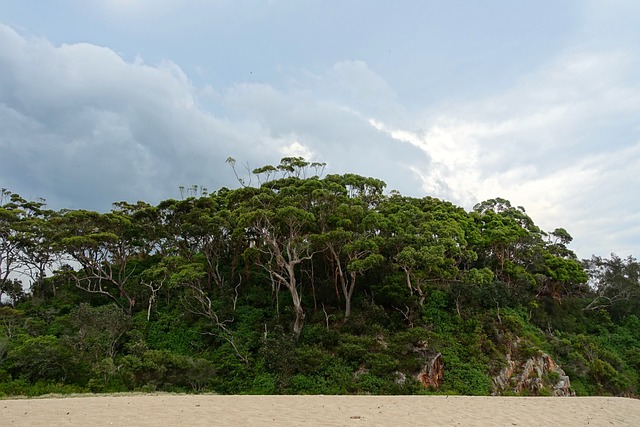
x=535, y=376
x=432, y=371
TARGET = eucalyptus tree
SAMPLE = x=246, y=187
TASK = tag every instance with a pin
x=616, y=284
x=106, y=247
x=349, y=230
x=191, y=279
x=427, y=242
x=556, y=268
x=512, y=246
x=10, y=260
x=202, y=228
x=289, y=167
x=503, y=234
x=25, y=241
x=39, y=252
x=557, y=243
x=534, y=264
x=369, y=190
x=279, y=227
x=559, y=277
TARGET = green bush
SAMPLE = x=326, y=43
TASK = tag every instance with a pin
x=171, y=332
x=310, y=359
x=466, y=378
x=381, y=365
x=352, y=353
x=44, y=358
x=264, y=383
x=21, y=387
x=370, y=384
x=163, y=370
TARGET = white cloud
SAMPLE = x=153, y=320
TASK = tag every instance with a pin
x=547, y=145
x=84, y=127
x=295, y=149
x=329, y=130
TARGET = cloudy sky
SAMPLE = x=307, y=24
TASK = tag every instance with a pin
x=534, y=101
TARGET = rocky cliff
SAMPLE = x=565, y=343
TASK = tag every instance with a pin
x=537, y=375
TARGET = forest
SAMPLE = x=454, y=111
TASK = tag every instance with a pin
x=301, y=283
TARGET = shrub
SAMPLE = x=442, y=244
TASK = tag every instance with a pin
x=264, y=383
x=381, y=365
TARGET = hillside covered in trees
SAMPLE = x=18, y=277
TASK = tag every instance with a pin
x=301, y=283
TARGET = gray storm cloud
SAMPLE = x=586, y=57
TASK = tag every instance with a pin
x=83, y=128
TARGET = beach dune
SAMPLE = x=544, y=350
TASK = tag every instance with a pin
x=196, y=410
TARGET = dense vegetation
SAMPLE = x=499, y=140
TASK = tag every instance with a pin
x=304, y=285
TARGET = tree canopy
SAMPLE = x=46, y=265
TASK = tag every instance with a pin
x=304, y=283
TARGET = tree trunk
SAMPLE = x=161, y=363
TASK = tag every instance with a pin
x=297, y=307
x=299, y=323
x=347, y=309
x=348, y=293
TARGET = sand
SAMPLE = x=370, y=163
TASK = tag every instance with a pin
x=212, y=410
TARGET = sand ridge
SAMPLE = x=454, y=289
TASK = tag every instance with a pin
x=201, y=410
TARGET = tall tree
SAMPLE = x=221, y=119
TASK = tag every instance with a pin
x=279, y=227
x=105, y=246
x=349, y=233
x=616, y=283
x=24, y=244
x=202, y=227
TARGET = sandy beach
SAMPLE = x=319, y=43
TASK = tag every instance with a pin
x=201, y=410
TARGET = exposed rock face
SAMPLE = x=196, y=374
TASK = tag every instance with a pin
x=432, y=372
x=400, y=377
x=533, y=375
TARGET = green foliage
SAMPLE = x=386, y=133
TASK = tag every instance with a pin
x=21, y=387
x=264, y=383
x=45, y=358
x=353, y=351
x=172, y=332
x=99, y=329
x=435, y=312
x=163, y=370
x=381, y=365
x=466, y=378
x=304, y=284
x=371, y=384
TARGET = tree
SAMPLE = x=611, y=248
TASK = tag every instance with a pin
x=559, y=276
x=615, y=281
x=207, y=226
x=281, y=238
x=10, y=244
x=508, y=240
x=105, y=246
x=26, y=241
x=191, y=277
x=279, y=229
x=557, y=242
x=428, y=242
x=43, y=357
x=39, y=252
x=350, y=237
x=99, y=330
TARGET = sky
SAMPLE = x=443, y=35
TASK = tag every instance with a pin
x=537, y=102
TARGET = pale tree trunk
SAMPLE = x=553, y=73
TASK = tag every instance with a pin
x=348, y=294
x=347, y=288
x=287, y=277
x=297, y=301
